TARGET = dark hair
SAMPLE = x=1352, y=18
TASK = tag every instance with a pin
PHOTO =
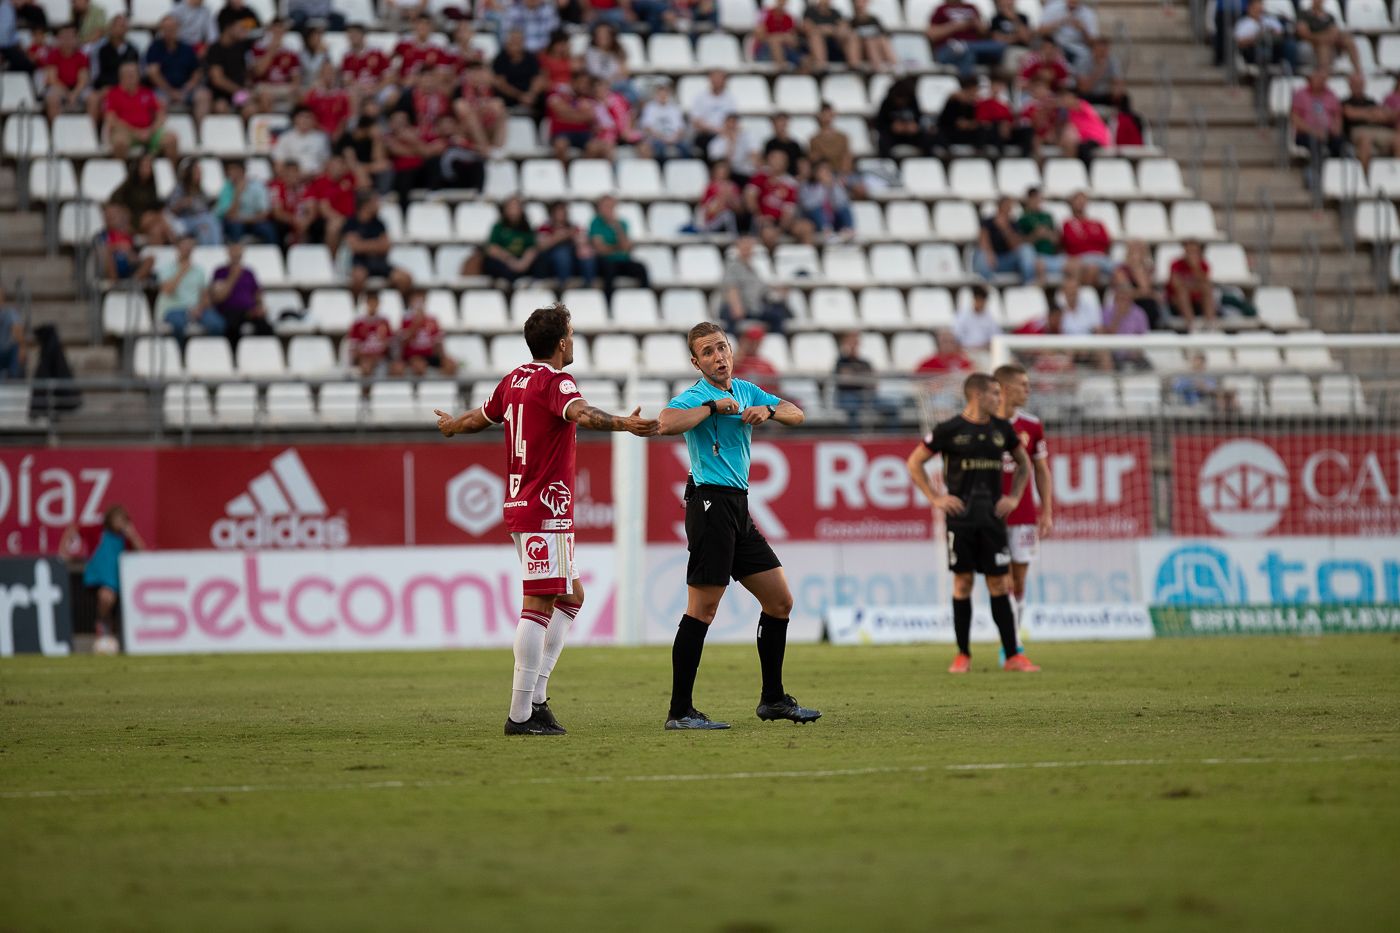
x=977, y=382
x=545, y=328
x=703, y=329
x=1008, y=371
x=109, y=516
x=979, y=291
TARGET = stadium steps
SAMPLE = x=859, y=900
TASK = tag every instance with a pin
x=46, y=276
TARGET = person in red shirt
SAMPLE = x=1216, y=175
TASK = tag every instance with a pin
x=775, y=38
x=420, y=340
x=999, y=124
x=276, y=68
x=481, y=114
x=950, y=357
x=370, y=337
x=66, y=73
x=1047, y=63
x=1190, y=288
x=540, y=406
x=718, y=210
x=136, y=117
x=960, y=38
x=1025, y=526
x=418, y=52
x=771, y=201
x=1041, y=115
x=117, y=247
x=557, y=63
x=1087, y=242
x=573, y=115
x=750, y=365
x=293, y=210
x=328, y=100
x=334, y=193
x=369, y=70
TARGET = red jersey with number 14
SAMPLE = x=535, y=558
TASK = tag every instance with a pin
x=1032, y=434
x=541, y=446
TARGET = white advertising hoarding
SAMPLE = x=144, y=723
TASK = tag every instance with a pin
x=902, y=625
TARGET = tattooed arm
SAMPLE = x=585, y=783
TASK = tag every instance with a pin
x=595, y=419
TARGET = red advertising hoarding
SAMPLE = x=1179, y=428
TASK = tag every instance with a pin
x=43, y=493
x=1293, y=484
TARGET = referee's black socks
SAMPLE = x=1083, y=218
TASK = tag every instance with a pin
x=772, y=644
x=1005, y=618
x=685, y=662
x=962, y=624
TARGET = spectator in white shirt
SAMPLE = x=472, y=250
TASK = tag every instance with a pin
x=304, y=143
x=197, y=26
x=1082, y=314
x=663, y=128
x=708, y=110
x=1262, y=39
x=731, y=144
x=974, y=326
x=1070, y=25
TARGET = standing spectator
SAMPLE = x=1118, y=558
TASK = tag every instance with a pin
x=536, y=20
x=746, y=298
x=829, y=144
x=1099, y=78
x=1368, y=125
x=872, y=39
x=244, y=205
x=138, y=194
x=960, y=38
x=613, y=245
x=420, y=339
x=900, y=121
x=771, y=201
x=949, y=356
x=518, y=78
x=305, y=12
x=136, y=117
x=90, y=19
x=1123, y=318
x=303, y=142
x=237, y=297
x=197, y=26
x=102, y=574
x=1039, y=229
x=66, y=73
x=1001, y=249
x=749, y=362
x=734, y=145
x=174, y=70
x=720, y=204
x=1086, y=241
x=1081, y=314
x=226, y=69
x=1071, y=25
x=511, y=249
x=369, y=336
x=781, y=139
x=367, y=240
x=180, y=297
x=855, y=383
x=276, y=68
x=829, y=37
x=974, y=325
x=1316, y=118
x=564, y=248
x=775, y=37
x=827, y=204
x=710, y=109
x=189, y=208
x=663, y=127
x=1263, y=40
x=13, y=347
x=1136, y=277
x=573, y=118
x=1320, y=29
x=1190, y=289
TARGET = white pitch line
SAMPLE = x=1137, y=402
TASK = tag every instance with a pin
x=73, y=793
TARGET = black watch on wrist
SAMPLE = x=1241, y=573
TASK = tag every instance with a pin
x=712, y=405
x=772, y=411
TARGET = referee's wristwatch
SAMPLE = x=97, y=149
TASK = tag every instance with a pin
x=712, y=405
x=772, y=412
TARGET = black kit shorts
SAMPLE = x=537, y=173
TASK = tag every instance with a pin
x=979, y=547
x=723, y=541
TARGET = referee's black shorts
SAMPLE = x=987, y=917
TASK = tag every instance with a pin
x=723, y=541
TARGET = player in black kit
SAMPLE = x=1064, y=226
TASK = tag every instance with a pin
x=973, y=446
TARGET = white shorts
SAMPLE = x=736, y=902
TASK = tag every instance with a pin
x=1025, y=543
x=547, y=562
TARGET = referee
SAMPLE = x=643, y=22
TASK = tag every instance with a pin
x=717, y=416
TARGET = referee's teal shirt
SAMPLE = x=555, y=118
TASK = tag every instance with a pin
x=719, y=445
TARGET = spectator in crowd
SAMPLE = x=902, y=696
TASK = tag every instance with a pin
x=711, y=108
x=180, y=295
x=292, y=210
x=197, y=26
x=1084, y=131
x=1081, y=314
x=276, y=68
x=328, y=102
x=612, y=243
x=459, y=165
x=662, y=126
x=557, y=62
x=369, y=71
x=872, y=40
x=90, y=20
x=234, y=293
x=13, y=347
x=417, y=53
x=189, y=208
x=518, y=78
x=536, y=20
x=1123, y=318
x=1263, y=40
x=829, y=144
x=226, y=70
x=108, y=57
x=974, y=325
x=573, y=118
x=136, y=117
x=957, y=123
x=102, y=574
x=746, y=298
x=1136, y=276
x=403, y=11
x=614, y=118
x=998, y=125
x=564, y=248
x=775, y=37
x=1038, y=228
x=334, y=193
x=1045, y=63
x=1099, y=78
x=1002, y=250
x=827, y=204
x=960, y=38
x=606, y=59
x=362, y=147
x=304, y=13
x=734, y=145
x=116, y=247
x=900, y=120
x=465, y=51
x=855, y=383
x=367, y=240
x=1071, y=25
x=1320, y=29
x=1199, y=387
x=1316, y=118
x=173, y=69
x=829, y=37
x=749, y=363
x=238, y=11
x=1190, y=289
x=1012, y=29
x=1369, y=125
x=720, y=204
x=314, y=54
x=137, y=193
x=1086, y=241
x=511, y=248
x=244, y=205
x=782, y=139
x=771, y=202
x=949, y=357
x=409, y=152
x=304, y=143
x=370, y=338
x=420, y=339
x=66, y=73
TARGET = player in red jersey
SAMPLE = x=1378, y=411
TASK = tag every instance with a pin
x=1024, y=527
x=540, y=406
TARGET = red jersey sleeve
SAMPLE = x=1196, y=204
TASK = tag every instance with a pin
x=1036, y=445
x=495, y=407
x=561, y=393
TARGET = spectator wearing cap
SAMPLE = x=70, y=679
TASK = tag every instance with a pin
x=236, y=295
x=749, y=363
x=180, y=298
x=244, y=205
x=1071, y=25
x=535, y=20
x=949, y=357
x=1001, y=249
x=974, y=325
x=565, y=249
x=747, y=299
x=1087, y=242
x=67, y=72
x=420, y=340
x=304, y=13
x=612, y=243
x=710, y=108
x=960, y=38
x=1190, y=289
x=775, y=36
x=856, y=391
x=1316, y=117
x=663, y=127
x=174, y=70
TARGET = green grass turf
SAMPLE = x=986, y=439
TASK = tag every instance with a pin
x=475, y=840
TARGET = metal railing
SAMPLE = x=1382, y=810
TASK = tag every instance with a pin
x=1264, y=234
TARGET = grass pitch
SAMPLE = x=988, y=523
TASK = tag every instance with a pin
x=1231, y=784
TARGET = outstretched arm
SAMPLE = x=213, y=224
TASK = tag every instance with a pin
x=595, y=419
x=472, y=422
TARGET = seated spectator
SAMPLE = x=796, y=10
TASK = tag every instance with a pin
x=416, y=52
x=1080, y=311
x=303, y=142
x=960, y=38
x=137, y=193
x=855, y=383
x=481, y=115
x=690, y=16
x=276, y=68
x=1012, y=29
x=535, y=20
x=426, y=96
x=13, y=346
x=1038, y=228
x=957, y=123
x=511, y=249
x=244, y=205
x=607, y=60
x=827, y=204
x=720, y=204
x=420, y=339
x=1263, y=40
x=135, y=117
x=236, y=296
x=1316, y=118
x=227, y=71
x=1370, y=126
x=518, y=78
x=465, y=51
x=369, y=71
x=174, y=70
x=734, y=145
x=180, y=296
x=116, y=247
x=1320, y=29
x=189, y=208
x=1190, y=289
x=314, y=54
x=872, y=40
x=362, y=147
x=829, y=37
x=66, y=74
x=1136, y=276
x=614, y=118
x=1045, y=64
x=782, y=139
x=1099, y=78
x=749, y=363
x=775, y=37
x=564, y=248
x=829, y=144
x=197, y=25
x=400, y=12
x=304, y=13
x=573, y=119
x=108, y=57
x=613, y=245
x=1084, y=131
x=1002, y=250
x=238, y=11
x=999, y=126
x=771, y=202
x=950, y=356
x=710, y=108
x=370, y=338
x=558, y=65
x=334, y=193
x=367, y=240
x=1123, y=318
x=409, y=152
x=974, y=325
x=1087, y=242
x=90, y=21
x=900, y=121
x=328, y=101
x=292, y=210
x=1071, y=25
x=459, y=166
x=662, y=127
x=1199, y=387
x=746, y=299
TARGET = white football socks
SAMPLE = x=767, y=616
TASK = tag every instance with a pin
x=1019, y=603
x=558, y=631
x=530, y=634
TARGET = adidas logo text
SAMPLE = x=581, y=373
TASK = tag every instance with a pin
x=281, y=509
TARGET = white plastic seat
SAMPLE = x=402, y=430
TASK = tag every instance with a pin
x=665, y=355
x=260, y=357
x=1160, y=178
x=309, y=265
x=78, y=222
x=1228, y=264
x=1277, y=308
x=264, y=128
x=753, y=96
x=1377, y=222
x=774, y=349
x=157, y=358
x=484, y=311
x=440, y=394
x=882, y=309
x=956, y=221
x=910, y=348
x=311, y=355
x=634, y=310
x=522, y=138
x=340, y=403
x=869, y=220
x=16, y=92
x=1344, y=179
x=73, y=134
x=891, y=262
x=933, y=91
x=1022, y=304
x=666, y=219
x=181, y=126
x=832, y=308
x=615, y=354
x=686, y=179
x=469, y=351
x=796, y=94
x=972, y=180
x=52, y=179
x=1292, y=395
x=1112, y=178
x=524, y=301
x=845, y=265
x=1194, y=220
x=330, y=310
x=1265, y=359
x=925, y=178
x=908, y=221
x=601, y=393
x=591, y=178
x=931, y=308
x=659, y=262
x=1142, y=394
x=875, y=350
x=845, y=93
x=1385, y=178
x=209, y=358
x=639, y=180
x=1340, y=394
x=507, y=352
x=290, y=403
x=718, y=50
x=1388, y=51
x=1098, y=396
x=682, y=308
x=392, y=403
x=1063, y=178
x=222, y=135
x=1299, y=354
x=673, y=49
x=699, y=264
x=187, y=404
x=1147, y=220
x=474, y=221
x=25, y=136
x=236, y=403
x=543, y=180
x=502, y=180
x=940, y=264
x=1245, y=390
x=587, y=308
x=1016, y=176
x=126, y=313
x=265, y=262
x=429, y=222
x=813, y=353
x=1106, y=213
